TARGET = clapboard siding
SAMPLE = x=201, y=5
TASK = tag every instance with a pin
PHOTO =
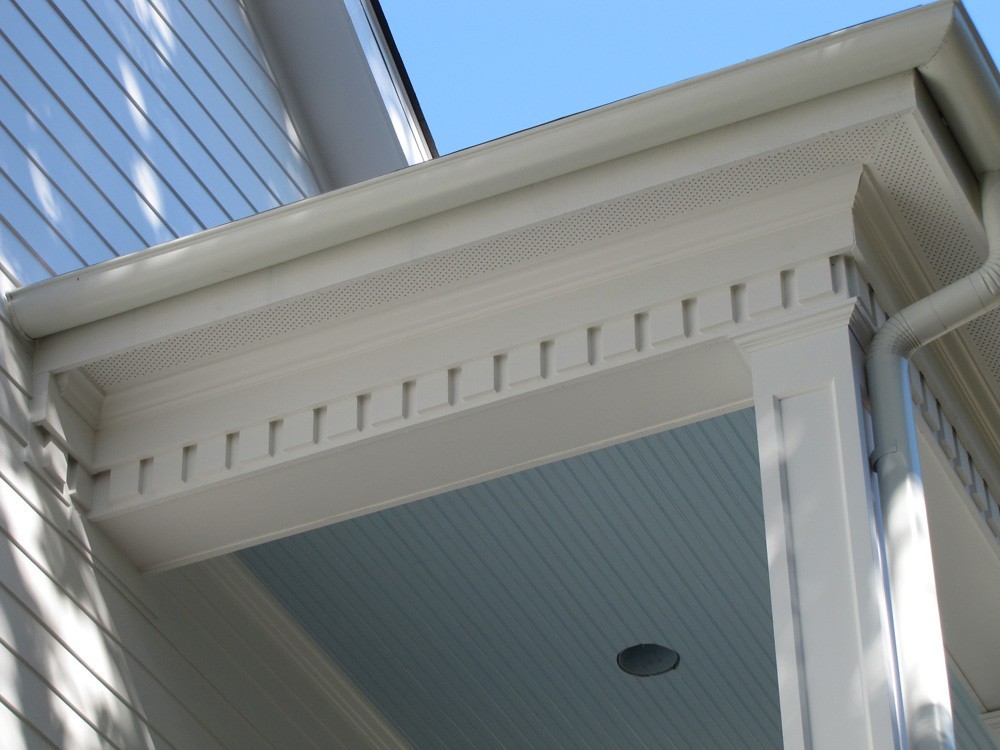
x=33, y=227
x=67, y=634
x=28, y=169
x=228, y=97
x=152, y=108
x=970, y=734
x=123, y=125
x=95, y=655
x=249, y=91
x=56, y=135
x=48, y=209
x=16, y=258
x=56, y=671
x=19, y=733
x=127, y=124
x=105, y=111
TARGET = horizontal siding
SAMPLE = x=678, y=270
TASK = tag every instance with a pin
x=18, y=734
x=17, y=261
x=49, y=123
x=81, y=686
x=127, y=124
x=52, y=196
x=95, y=655
x=108, y=123
x=35, y=228
x=970, y=734
x=29, y=695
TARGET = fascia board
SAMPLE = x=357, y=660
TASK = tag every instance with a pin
x=392, y=80
x=340, y=86
x=744, y=240
x=828, y=64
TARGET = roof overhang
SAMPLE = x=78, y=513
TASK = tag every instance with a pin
x=938, y=40
x=359, y=303
x=593, y=279
x=564, y=288
x=581, y=296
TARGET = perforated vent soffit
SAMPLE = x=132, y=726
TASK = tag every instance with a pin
x=888, y=146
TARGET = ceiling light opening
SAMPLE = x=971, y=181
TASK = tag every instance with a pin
x=648, y=659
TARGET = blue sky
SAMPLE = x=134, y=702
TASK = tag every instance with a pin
x=482, y=70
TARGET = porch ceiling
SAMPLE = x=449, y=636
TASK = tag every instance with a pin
x=491, y=616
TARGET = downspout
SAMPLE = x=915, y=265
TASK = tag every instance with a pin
x=926, y=706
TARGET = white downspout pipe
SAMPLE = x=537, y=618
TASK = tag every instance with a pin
x=926, y=706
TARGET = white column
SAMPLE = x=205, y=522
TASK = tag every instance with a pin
x=836, y=676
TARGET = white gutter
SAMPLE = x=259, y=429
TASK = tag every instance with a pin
x=919, y=646
x=962, y=79
x=966, y=88
x=819, y=67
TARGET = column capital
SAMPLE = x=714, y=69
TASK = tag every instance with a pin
x=803, y=323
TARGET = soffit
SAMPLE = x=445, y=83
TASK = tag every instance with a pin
x=895, y=147
x=819, y=68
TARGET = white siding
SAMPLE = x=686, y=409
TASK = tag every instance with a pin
x=123, y=124
x=126, y=123
x=970, y=734
x=94, y=655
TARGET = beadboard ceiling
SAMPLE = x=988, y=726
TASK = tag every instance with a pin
x=491, y=616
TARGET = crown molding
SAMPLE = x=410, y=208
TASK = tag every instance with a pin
x=936, y=39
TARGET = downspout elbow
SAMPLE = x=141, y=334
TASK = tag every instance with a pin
x=990, y=270
x=924, y=702
x=955, y=304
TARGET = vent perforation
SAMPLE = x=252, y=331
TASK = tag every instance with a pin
x=887, y=145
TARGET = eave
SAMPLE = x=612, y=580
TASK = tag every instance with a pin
x=938, y=40
x=345, y=412
x=616, y=274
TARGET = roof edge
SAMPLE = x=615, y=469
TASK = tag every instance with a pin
x=938, y=40
x=404, y=82
x=963, y=81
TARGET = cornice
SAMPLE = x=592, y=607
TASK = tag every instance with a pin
x=948, y=386
x=706, y=173
x=567, y=303
x=890, y=259
x=746, y=237
x=194, y=467
x=821, y=67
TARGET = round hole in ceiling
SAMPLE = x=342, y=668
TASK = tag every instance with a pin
x=648, y=659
